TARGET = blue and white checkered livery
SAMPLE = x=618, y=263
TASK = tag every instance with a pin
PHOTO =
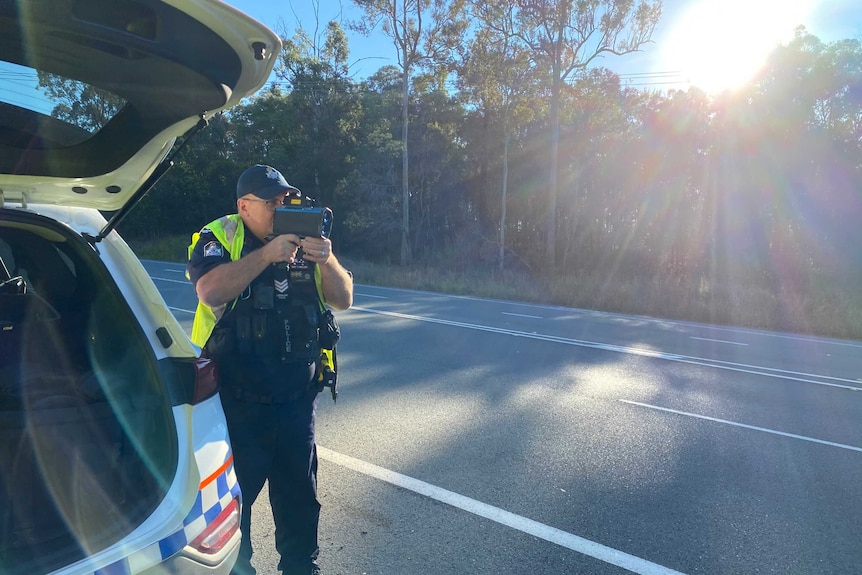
x=215, y=494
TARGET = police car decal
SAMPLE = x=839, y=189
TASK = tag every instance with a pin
x=214, y=495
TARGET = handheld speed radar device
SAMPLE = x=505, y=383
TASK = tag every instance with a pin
x=302, y=218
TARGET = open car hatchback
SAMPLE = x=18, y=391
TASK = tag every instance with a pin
x=114, y=453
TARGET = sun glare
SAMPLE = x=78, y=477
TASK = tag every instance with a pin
x=720, y=44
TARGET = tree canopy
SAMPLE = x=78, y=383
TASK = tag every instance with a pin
x=759, y=183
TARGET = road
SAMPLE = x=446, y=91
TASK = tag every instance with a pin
x=479, y=436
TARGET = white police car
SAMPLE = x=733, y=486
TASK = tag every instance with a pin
x=114, y=453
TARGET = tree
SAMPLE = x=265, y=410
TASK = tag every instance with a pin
x=322, y=99
x=437, y=159
x=565, y=36
x=374, y=217
x=421, y=31
x=804, y=113
x=496, y=76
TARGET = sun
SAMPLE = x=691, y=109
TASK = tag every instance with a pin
x=719, y=45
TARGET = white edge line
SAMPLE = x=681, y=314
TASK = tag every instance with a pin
x=718, y=340
x=652, y=319
x=744, y=425
x=717, y=364
x=521, y=315
x=156, y=278
x=738, y=329
x=181, y=310
x=528, y=526
x=714, y=363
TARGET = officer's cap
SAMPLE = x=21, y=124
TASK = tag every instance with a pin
x=265, y=182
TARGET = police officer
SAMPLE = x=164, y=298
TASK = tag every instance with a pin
x=260, y=300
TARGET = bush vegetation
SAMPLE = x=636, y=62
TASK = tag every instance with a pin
x=741, y=208
x=819, y=307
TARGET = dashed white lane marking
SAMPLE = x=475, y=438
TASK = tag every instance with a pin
x=824, y=380
x=156, y=278
x=521, y=315
x=760, y=333
x=718, y=340
x=528, y=526
x=744, y=425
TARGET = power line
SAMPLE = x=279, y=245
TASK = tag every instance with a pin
x=628, y=79
x=650, y=74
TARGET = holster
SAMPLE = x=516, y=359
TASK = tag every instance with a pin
x=327, y=374
x=328, y=331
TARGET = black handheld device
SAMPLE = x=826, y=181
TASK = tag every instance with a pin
x=304, y=221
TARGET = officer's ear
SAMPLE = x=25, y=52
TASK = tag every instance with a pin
x=242, y=206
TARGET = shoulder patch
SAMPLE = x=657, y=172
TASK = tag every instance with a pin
x=213, y=249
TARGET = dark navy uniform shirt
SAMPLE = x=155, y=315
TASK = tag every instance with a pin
x=255, y=378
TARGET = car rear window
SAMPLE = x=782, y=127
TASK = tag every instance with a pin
x=56, y=110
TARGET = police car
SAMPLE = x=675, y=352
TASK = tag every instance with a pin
x=114, y=452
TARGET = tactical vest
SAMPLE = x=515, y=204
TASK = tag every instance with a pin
x=275, y=318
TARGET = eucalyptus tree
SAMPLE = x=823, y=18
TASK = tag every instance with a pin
x=496, y=77
x=440, y=205
x=422, y=32
x=373, y=220
x=663, y=212
x=802, y=118
x=322, y=106
x=264, y=129
x=565, y=37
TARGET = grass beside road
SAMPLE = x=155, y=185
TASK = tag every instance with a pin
x=824, y=307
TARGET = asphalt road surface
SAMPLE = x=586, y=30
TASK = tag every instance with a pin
x=477, y=436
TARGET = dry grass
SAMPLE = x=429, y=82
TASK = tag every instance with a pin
x=824, y=309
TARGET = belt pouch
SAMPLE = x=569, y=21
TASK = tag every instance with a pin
x=329, y=333
x=220, y=342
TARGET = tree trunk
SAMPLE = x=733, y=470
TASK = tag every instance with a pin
x=552, y=179
x=405, y=191
x=505, y=189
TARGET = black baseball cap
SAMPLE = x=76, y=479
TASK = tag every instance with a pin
x=265, y=182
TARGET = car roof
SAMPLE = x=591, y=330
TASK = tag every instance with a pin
x=156, y=66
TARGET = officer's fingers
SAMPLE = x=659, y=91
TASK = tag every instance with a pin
x=290, y=248
x=316, y=244
x=280, y=250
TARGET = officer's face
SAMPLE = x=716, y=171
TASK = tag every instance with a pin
x=258, y=214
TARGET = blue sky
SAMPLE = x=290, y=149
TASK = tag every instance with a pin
x=713, y=43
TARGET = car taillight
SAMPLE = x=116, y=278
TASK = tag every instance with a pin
x=220, y=531
x=206, y=379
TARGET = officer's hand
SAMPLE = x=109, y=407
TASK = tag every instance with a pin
x=282, y=248
x=316, y=250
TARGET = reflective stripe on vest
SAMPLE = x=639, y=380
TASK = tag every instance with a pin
x=230, y=231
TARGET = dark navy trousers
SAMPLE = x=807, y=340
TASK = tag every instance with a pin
x=274, y=442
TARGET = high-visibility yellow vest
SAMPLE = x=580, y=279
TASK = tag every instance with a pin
x=230, y=232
